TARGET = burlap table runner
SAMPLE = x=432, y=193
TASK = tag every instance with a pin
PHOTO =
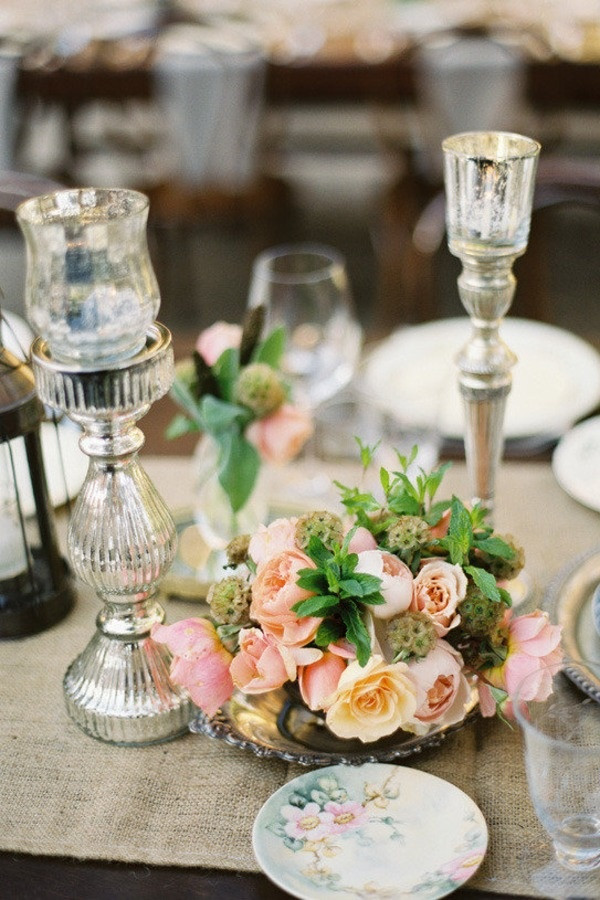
x=192, y=802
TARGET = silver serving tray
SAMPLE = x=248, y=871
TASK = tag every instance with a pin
x=275, y=725
x=569, y=603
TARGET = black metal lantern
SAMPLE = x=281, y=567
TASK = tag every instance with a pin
x=35, y=588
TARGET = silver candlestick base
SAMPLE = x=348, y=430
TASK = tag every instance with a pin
x=121, y=540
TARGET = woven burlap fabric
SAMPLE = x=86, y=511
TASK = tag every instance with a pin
x=192, y=802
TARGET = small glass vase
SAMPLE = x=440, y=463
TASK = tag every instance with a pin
x=215, y=520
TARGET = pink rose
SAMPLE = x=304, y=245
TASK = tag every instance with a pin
x=437, y=590
x=271, y=540
x=280, y=436
x=362, y=540
x=258, y=666
x=533, y=649
x=200, y=661
x=215, y=340
x=442, y=689
x=396, y=581
x=263, y=665
x=275, y=591
x=320, y=679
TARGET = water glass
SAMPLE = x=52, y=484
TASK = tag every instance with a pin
x=305, y=288
x=562, y=756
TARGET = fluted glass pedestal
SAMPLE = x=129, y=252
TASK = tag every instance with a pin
x=121, y=540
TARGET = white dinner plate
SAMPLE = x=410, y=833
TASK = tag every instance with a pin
x=576, y=463
x=376, y=830
x=556, y=379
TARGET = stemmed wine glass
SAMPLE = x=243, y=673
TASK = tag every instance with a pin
x=305, y=288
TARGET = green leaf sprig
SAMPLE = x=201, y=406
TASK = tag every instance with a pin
x=205, y=395
x=340, y=594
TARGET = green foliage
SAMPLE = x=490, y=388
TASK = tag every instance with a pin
x=340, y=595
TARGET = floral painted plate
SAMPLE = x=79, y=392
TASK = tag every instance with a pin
x=276, y=725
x=378, y=830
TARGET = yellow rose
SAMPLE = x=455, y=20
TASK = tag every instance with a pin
x=372, y=701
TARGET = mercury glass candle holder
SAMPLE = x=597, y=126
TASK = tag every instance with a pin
x=90, y=277
x=489, y=179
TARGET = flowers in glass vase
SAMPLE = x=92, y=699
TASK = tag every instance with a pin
x=384, y=616
x=232, y=389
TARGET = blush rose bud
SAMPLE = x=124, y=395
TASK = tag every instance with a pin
x=259, y=388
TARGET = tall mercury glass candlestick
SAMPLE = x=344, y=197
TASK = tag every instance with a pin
x=92, y=294
x=489, y=179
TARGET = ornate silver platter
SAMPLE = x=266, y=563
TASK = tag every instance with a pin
x=275, y=725
x=569, y=602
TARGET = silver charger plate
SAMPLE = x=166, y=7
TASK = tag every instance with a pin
x=569, y=602
x=275, y=725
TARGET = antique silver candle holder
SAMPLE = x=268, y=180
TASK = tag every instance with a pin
x=489, y=180
x=104, y=361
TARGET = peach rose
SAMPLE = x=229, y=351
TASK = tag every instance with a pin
x=396, y=581
x=280, y=436
x=442, y=689
x=319, y=680
x=270, y=540
x=215, y=340
x=372, y=701
x=533, y=649
x=275, y=591
x=437, y=590
x=200, y=661
x=440, y=529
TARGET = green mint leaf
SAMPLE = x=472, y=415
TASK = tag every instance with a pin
x=374, y=599
x=318, y=552
x=226, y=371
x=180, y=425
x=311, y=580
x=495, y=546
x=460, y=532
x=356, y=632
x=316, y=606
x=216, y=415
x=485, y=581
x=271, y=349
x=436, y=511
x=239, y=463
x=366, y=452
x=328, y=632
x=505, y=597
x=435, y=478
x=360, y=585
x=384, y=478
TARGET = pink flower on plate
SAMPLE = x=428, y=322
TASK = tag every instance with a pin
x=320, y=679
x=200, y=661
x=461, y=868
x=275, y=591
x=346, y=816
x=270, y=540
x=309, y=823
x=442, y=689
x=215, y=340
x=280, y=436
x=262, y=664
x=437, y=590
x=396, y=581
x=533, y=649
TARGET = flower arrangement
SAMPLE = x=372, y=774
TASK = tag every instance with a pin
x=383, y=616
x=232, y=390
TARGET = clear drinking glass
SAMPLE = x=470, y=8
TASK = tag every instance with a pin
x=91, y=289
x=562, y=756
x=305, y=288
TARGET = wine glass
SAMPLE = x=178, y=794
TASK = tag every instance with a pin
x=305, y=289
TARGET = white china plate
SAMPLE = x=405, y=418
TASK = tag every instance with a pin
x=61, y=440
x=576, y=463
x=556, y=379
x=376, y=830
